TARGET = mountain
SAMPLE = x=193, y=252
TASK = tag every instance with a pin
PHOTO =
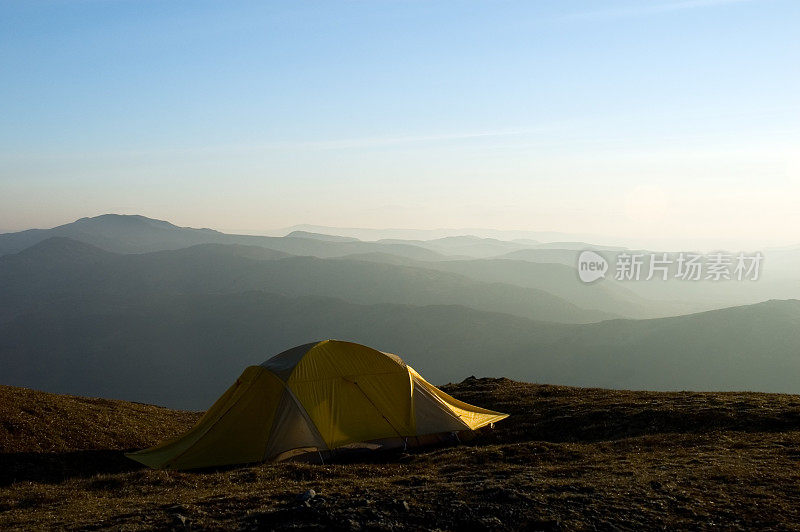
x=137, y=234
x=777, y=279
x=182, y=350
x=320, y=236
x=371, y=234
x=222, y=269
x=557, y=279
x=575, y=246
x=560, y=252
x=114, y=232
x=568, y=257
x=463, y=246
x=56, y=251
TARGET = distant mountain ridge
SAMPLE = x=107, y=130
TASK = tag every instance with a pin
x=555, y=278
x=113, y=232
x=319, y=236
x=174, y=326
x=138, y=234
x=372, y=234
x=463, y=246
x=41, y=272
x=183, y=350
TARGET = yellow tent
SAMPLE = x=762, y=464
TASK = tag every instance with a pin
x=318, y=398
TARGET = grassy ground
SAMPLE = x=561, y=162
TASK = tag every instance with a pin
x=568, y=458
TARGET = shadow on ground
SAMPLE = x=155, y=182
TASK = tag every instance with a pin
x=58, y=467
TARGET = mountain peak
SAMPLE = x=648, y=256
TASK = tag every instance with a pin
x=123, y=233
x=63, y=249
x=129, y=221
x=321, y=236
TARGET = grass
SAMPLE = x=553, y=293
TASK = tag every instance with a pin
x=37, y=422
x=568, y=458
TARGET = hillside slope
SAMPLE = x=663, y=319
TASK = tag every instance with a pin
x=568, y=458
x=61, y=267
x=557, y=279
x=39, y=422
x=139, y=234
x=183, y=350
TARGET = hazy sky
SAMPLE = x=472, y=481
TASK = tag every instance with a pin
x=659, y=118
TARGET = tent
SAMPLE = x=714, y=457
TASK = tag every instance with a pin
x=315, y=400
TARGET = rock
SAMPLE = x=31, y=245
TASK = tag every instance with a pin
x=182, y=519
x=399, y=505
x=306, y=495
x=491, y=523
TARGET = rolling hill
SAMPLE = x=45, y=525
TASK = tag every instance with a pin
x=183, y=350
x=463, y=246
x=59, y=267
x=138, y=234
x=557, y=279
x=778, y=279
x=505, y=262
x=112, y=232
x=174, y=326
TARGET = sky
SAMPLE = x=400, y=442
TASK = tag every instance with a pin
x=660, y=119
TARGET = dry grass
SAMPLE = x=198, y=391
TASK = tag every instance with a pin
x=37, y=422
x=569, y=458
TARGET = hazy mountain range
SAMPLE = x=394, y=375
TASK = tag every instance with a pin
x=184, y=350
x=60, y=267
x=137, y=234
x=140, y=309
